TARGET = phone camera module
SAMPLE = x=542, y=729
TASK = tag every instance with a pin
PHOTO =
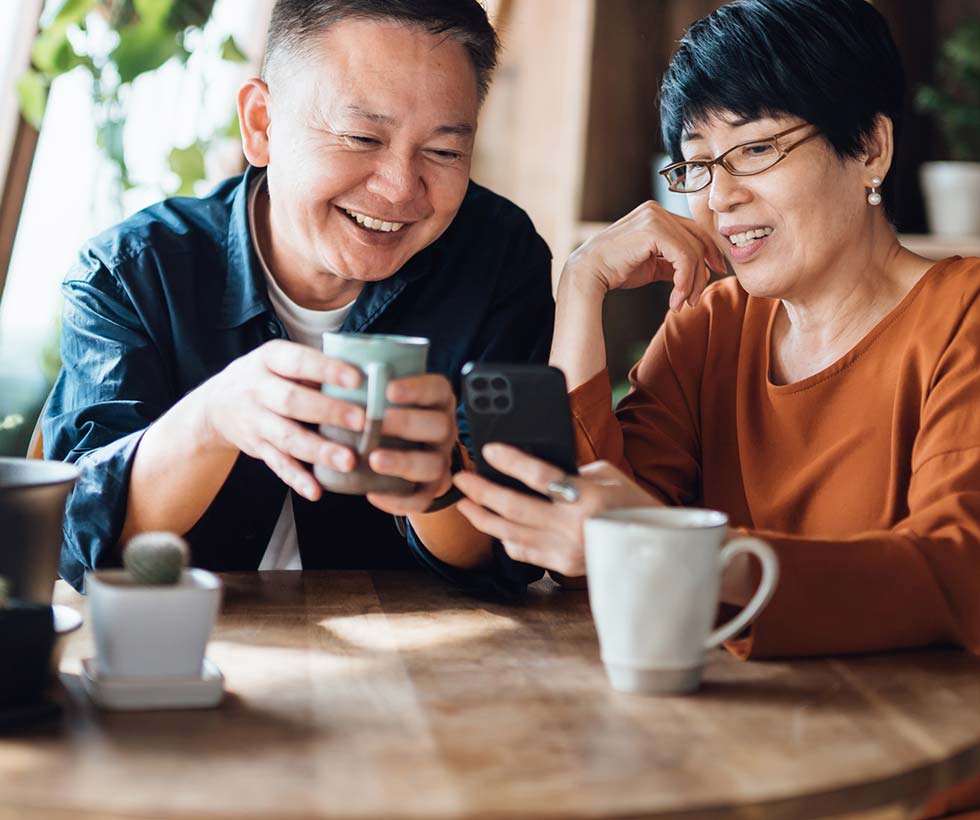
x=490, y=393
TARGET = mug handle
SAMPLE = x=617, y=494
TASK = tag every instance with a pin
x=377, y=374
x=767, y=586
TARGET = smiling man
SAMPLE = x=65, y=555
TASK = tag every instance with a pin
x=191, y=347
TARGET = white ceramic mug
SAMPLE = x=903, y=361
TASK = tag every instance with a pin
x=654, y=576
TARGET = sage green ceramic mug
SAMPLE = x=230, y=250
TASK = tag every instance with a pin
x=381, y=358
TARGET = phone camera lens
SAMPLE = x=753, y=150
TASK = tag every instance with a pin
x=501, y=403
x=498, y=383
x=481, y=403
x=479, y=384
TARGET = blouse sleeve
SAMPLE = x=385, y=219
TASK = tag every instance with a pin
x=654, y=435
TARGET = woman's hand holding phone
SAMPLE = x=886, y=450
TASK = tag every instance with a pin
x=545, y=533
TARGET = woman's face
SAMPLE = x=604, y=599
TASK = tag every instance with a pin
x=812, y=206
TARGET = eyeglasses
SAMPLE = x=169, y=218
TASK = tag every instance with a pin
x=742, y=160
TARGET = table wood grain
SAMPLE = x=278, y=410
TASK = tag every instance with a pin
x=354, y=694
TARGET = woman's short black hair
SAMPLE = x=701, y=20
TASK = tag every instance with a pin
x=296, y=23
x=832, y=63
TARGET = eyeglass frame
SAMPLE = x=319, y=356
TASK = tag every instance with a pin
x=720, y=159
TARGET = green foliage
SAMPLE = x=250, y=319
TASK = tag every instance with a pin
x=51, y=353
x=143, y=47
x=231, y=52
x=189, y=14
x=32, y=92
x=188, y=164
x=74, y=11
x=11, y=421
x=955, y=99
x=622, y=387
x=149, y=34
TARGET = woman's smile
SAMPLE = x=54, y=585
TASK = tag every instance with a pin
x=745, y=241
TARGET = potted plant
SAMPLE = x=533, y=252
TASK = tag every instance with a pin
x=152, y=619
x=117, y=42
x=952, y=188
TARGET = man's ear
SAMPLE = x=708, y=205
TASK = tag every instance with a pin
x=879, y=148
x=255, y=118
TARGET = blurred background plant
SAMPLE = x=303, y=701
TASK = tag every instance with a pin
x=954, y=100
x=134, y=101
x=951, y=187
x=117, y=41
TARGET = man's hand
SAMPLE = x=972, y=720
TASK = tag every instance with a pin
x=429, y=421
x=258, y=403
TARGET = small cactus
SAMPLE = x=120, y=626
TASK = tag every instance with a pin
x=155, y=558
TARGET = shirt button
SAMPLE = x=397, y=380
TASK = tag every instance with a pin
x=272, y=328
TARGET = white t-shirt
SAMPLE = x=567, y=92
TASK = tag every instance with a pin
x=306, y=327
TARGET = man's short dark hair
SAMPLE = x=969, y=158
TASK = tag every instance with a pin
x=295, y=24
x=832, y=63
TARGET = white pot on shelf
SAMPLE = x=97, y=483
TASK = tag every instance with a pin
x=152, y=631
x=952, y=193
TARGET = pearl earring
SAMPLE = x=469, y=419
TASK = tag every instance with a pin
x=874, y=198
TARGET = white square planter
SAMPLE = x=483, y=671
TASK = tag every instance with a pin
x=952, y=192
x=152, y=631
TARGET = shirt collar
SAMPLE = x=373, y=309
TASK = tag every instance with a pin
x=245, y=293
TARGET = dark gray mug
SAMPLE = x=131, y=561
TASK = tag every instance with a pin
x=32, y=511
x=380, y=358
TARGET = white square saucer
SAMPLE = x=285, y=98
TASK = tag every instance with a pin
x=154, y=693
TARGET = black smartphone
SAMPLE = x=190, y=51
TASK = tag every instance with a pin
x=523, y=405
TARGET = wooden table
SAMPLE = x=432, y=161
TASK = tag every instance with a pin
x=355, y=694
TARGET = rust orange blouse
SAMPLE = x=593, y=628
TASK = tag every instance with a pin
x=865, y=477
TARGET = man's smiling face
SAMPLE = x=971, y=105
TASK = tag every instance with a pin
x=368, y=148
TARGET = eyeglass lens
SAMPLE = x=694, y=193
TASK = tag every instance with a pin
x=743, y=159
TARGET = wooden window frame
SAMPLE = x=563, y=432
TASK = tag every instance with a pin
x=15, y=132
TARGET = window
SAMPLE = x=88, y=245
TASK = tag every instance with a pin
x=69, y=193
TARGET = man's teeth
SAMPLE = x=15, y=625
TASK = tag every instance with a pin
x=375, y=224
x=741, y=240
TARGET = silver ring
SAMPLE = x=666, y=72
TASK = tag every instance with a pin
x=562, y=490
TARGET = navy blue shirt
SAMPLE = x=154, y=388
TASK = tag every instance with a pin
x=165, y=300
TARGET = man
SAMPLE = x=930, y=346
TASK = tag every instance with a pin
x=190, y=387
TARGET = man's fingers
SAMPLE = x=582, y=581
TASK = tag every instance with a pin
x=427, y=390
x=296, y=361
x=415, y=424
x=422, y=466
x=295, y=441
x=290, y=471
x=300, y=403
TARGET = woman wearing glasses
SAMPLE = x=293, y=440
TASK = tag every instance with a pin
x=826, y=397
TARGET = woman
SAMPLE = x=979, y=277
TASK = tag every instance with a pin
x=825, y=397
